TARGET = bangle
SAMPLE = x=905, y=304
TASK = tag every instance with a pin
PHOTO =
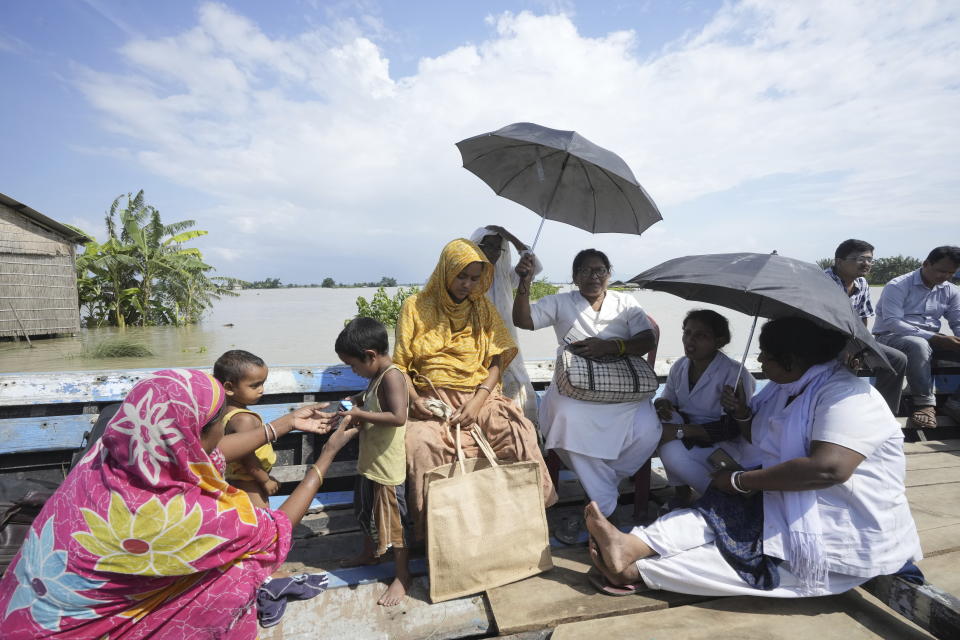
x=273, y=431
x=479, y=387
x=319, y=475
x=747, y=419
x=735, y=482
x=266, y=434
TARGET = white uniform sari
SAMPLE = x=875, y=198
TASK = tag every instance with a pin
x=701, y=405
x=602, y=443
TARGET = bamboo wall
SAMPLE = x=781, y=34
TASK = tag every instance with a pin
x=38, y=284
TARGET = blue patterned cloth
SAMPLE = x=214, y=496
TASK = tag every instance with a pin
x=737, y=522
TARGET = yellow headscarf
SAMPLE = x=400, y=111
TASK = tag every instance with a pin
x=452, y=343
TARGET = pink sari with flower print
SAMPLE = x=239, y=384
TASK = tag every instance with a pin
x=145, y=538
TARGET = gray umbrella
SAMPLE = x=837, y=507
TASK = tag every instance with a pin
x=764, y=285
x=562, y=176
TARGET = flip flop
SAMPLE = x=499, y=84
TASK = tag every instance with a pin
x=301, y=586
x=603, y=586
x=923, y=418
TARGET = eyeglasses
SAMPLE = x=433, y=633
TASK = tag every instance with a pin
x=860, y=260
x=599, y=272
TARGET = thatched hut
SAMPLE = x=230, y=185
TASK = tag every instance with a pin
x=38, y=279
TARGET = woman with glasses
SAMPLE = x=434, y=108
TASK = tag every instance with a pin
x=495, y=243
x=602, y=443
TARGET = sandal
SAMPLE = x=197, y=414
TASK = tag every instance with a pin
x=570, y=531
x=603, y=586
x=923, y=418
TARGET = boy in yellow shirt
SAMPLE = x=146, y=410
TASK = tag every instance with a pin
x=379, y=500
x=242, y=375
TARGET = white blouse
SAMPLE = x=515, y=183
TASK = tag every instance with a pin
x=702, y=403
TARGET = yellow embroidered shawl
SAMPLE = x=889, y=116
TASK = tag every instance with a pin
x=452, y=344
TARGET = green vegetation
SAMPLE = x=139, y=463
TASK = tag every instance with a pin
x=143, y=274
x=382, y=307
x=540, y=288
x=884, y=269
x=119, y=348
x=269, y=283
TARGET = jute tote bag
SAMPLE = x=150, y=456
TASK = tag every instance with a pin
x=486, y=524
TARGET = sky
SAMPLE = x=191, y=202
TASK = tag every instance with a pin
x=316, y=139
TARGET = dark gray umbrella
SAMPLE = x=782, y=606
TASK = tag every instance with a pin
x=562, y=176
x=764, y=285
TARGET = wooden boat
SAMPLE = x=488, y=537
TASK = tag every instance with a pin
x=44, y=418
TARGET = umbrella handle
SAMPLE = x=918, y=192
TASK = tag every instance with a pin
x=539, y=229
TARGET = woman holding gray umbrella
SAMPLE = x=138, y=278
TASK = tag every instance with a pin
x=603, y=443
x=825, y=511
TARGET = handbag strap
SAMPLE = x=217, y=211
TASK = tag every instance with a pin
x=460, y=463
x=484, y=446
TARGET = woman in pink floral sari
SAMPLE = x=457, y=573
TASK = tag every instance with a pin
x=145, y=538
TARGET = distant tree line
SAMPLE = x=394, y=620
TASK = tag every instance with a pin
x=884, y=269
x=143, y=274
x=328, y=283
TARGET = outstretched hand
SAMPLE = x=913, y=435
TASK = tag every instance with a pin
x=312, y=420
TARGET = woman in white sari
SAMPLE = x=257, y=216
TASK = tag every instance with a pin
x=825, y=511
x=602, y=443
x=495, y=243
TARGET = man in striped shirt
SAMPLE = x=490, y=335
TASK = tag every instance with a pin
x=852, y=262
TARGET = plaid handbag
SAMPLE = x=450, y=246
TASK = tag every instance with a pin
x=625, y=378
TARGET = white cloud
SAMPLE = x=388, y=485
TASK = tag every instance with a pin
x=309, y=135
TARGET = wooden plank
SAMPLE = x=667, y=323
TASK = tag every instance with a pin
x=851, y=616
x=933, y=446
x=322, y=501
x=941, y=476
x=354, y=613
x=564, y=595
x=54, y=433
x=925, y=605
x=936, y=460
x=936, y=512
x=295, y=472
x=111, y=386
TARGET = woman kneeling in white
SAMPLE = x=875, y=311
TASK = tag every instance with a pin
x=602, y=443
x=694, y=423
x=831, y=511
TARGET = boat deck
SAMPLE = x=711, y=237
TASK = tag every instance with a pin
x=562, y=604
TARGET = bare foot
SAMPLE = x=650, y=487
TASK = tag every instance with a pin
x=395, y=593
x=362, y=560
x=618, y=550
x=630, y=575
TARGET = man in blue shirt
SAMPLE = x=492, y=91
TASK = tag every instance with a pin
x=908, y=318
x=852, y=262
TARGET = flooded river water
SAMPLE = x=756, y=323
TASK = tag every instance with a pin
x=298, y=327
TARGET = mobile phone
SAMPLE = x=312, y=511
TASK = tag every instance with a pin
x=720, y=460
x=345, y=405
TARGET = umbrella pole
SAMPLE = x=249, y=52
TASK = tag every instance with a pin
x=746, y=349
x=537, y=237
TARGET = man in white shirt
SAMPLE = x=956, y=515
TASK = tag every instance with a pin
x=908, y=319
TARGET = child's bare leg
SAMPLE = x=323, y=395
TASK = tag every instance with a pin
x=397, y=590
x=368, y=555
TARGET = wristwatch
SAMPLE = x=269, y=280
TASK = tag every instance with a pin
x=679, y=433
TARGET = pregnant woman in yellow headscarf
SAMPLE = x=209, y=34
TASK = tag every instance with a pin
x=451, y=335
